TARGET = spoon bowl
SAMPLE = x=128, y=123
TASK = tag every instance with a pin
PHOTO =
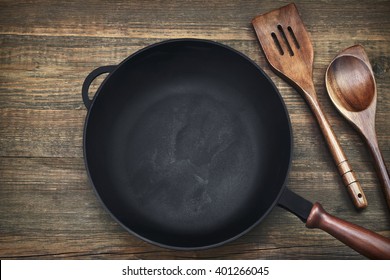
x=351, y=83
x=351, y=86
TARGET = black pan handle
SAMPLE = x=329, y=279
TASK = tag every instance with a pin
x=89, y=79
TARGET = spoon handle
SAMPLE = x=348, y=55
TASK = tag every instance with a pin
x=380, y=166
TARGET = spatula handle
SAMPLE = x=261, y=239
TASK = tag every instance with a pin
x=348, y=175
x=364, y=241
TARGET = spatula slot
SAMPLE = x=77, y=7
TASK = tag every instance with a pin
x=290, y=51
x=277, y=43
x=292, y=35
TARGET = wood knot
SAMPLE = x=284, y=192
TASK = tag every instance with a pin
x=381, y=65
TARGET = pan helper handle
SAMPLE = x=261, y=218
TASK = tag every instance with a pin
x=364, y=241
x=90, y=78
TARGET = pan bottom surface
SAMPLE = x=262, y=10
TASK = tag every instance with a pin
x=188, y=165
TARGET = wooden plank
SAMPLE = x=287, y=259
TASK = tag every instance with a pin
x=39, y=72
x=212, y=19
x=41, y=133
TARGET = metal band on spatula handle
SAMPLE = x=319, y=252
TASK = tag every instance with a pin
x=288, y=49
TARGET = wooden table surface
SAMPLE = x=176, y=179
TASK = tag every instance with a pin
x=47, y=206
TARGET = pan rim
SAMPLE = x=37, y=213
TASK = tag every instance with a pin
x=287, y=118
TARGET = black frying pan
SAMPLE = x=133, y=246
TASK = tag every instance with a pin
x=188, y=145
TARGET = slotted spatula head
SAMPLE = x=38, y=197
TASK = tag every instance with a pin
x=286, y=45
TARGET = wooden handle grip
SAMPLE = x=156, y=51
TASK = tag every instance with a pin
x=364, y=241
x=354, y=188
x=348, y=175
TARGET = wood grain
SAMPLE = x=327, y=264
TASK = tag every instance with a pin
x=47, y=207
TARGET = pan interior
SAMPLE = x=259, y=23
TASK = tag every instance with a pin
x=188, y=144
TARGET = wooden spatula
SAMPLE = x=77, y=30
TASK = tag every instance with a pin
x=288, y=49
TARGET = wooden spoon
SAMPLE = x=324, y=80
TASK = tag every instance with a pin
x=351, y=86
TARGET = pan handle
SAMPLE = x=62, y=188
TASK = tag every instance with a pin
x=364, y=241
x=89, y=79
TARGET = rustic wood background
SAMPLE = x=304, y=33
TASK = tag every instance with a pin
x=48, y=208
